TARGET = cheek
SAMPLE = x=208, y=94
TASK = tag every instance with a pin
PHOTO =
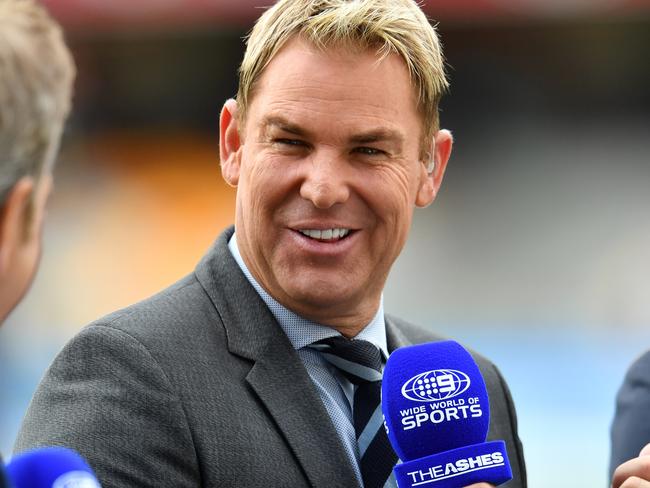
x=260, y=165
x=394, y=191
x=397, y=201
x=263, y=187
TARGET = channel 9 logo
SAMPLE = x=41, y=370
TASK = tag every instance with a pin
x=439, y=384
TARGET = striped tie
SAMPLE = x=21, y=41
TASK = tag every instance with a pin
x=360, y=362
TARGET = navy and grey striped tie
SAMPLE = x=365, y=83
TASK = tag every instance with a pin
x=360, y=362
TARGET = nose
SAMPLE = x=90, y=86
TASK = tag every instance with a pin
x=325, y=183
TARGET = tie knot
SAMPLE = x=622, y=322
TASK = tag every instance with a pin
x=359, y=360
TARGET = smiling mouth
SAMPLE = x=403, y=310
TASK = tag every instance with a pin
x=326, y=235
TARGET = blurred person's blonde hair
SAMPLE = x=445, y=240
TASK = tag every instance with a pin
x=391, y=26
x=36, y=77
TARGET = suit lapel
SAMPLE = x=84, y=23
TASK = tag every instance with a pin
x=289, y=395
x=278, y=376
x=395, y=338
x=400, y=334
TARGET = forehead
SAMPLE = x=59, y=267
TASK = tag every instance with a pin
x=343, y=82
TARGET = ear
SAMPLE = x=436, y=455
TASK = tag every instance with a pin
x=15, y=221
x=43, y=190
x=431, y=178
x=229, y=143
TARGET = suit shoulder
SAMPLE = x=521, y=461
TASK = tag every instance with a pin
x=417, y=334
x=183, y=309
x=639, y=370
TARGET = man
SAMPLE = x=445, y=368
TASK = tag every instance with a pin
x=36, y=76
x=634, y=473
x=630, y=431
x=228, y=377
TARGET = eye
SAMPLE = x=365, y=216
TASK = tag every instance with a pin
x=289, y=142
x=369, y=151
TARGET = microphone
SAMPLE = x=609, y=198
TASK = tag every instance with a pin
x=437, y=415
x=50, y=467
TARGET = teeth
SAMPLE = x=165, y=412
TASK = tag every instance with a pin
x=326, y=235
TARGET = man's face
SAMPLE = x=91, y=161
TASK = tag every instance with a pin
x=328, y=171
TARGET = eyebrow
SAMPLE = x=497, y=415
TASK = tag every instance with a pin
x=381, y=134
x=284, y=125
x=377, y=135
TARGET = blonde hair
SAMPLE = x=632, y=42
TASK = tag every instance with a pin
x=391, y=26
x=36, y=76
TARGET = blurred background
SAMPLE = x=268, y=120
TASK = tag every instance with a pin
x=536, y=253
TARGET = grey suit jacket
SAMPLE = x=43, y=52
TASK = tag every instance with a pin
x=631, y=426
x=199, y=386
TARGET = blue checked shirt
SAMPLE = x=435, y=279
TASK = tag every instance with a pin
x=334, y=389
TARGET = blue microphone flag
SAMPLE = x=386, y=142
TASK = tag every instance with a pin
x=437, y=415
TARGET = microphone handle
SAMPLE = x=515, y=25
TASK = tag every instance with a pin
x=485, y=462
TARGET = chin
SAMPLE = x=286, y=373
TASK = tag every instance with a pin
x=324, y=297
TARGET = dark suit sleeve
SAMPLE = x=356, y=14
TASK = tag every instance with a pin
x=514, y=445
x=631, y=426
x=3, y=481
x=107, y=397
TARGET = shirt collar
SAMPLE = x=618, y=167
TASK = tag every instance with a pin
x=303, y=332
